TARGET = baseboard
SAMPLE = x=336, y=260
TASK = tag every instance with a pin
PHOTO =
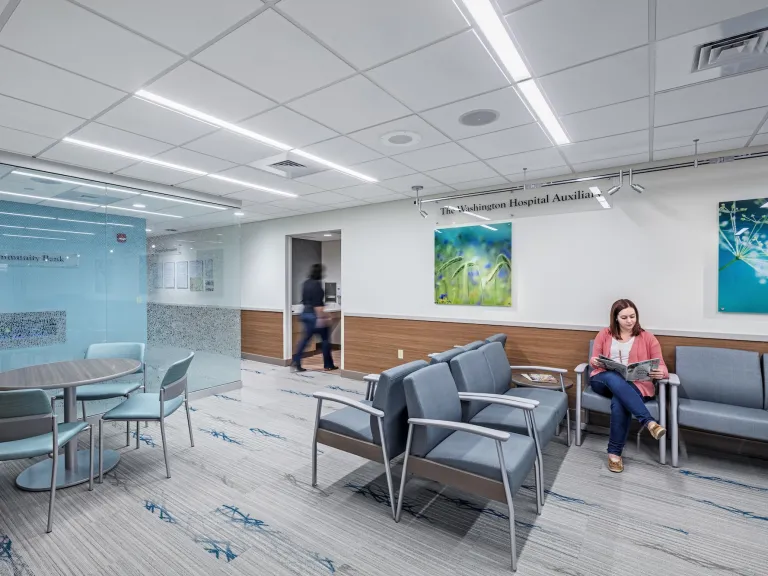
x=220, y=389
x=352, y=375
x=266, y=359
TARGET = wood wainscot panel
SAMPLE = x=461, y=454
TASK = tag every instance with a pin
x=262, y=333
x=371, y=344
x=297, y=330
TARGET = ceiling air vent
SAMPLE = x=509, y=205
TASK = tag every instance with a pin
x=738, y=53
x=287, y=165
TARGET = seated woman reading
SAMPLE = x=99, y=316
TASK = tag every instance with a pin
x=625, y=341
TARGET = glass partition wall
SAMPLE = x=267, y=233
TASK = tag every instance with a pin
x=74, y=270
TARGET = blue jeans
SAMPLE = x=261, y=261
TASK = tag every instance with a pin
x=626, y=401
x=309, y=321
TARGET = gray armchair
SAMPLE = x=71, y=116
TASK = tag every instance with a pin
x=447, y=356
x=589, y=400
x=440, y=447
x=718, y=390
x=375, y=430
x=501, y=338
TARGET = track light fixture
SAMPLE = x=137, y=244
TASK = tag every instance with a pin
x=613, y=189
x=417, y=189
x=636, y=187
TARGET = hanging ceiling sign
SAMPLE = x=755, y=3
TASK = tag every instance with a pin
x=38, y=259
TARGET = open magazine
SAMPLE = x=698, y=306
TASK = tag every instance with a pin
x=632, y=372
x=540, y=378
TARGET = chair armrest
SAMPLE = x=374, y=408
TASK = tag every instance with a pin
x=524, y=403
x=581, y=368
x=432, y=354
x=349, y=402
x=372, y=378
x=462, y=427
x=673, y=380
x=545, y=368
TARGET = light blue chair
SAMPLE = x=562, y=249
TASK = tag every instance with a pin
x=151, y=407
x=120, y=387
x=28, y=429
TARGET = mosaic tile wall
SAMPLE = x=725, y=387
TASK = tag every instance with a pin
x=31, y=329
x=200, y=328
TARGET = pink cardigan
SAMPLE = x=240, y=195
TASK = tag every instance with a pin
x=645, y=347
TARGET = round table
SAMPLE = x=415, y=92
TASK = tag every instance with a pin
x=520, y=380
x=67, y=375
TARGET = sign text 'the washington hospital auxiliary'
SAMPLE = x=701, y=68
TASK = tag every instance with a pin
x=519, y=203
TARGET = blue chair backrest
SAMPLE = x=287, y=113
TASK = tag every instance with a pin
x=471, y=373
x=502, y=338
x=131, y=350
x=24, y=413
x=720, y=375
x=765, y=381
x=473, y=345
x=446, y=356
x=390, y=398
x=175, y=379
x=431, y=393
x=499, y=365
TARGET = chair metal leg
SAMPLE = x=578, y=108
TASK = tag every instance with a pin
x=401, y=495
x=82, y=403
x=568, y=425
x=52, y=501
x=537, y=476
x=578, y=409
x=314, y=442
x=387, y=468
x=165, y=447
x=138, y=434
x=189, y=423
x=673, y=424
x=90, y=458
x=539, y=457
x=508, y=493
x=101, y=451
x=663, y=422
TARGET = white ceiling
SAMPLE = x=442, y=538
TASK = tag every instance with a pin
x=334, y=76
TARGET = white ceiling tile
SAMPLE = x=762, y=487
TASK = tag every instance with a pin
x=232, y=147
x=96, y=133
x=512, y=112
x=371, y=31
x=538, y=175
x=577, y=32
x=287, y=126
x=372, y=137
x=609, y=147
x=383, y=169
x=255, y=176
x=511, y=141
x=187, y=211
x=678, y=16
x=712, y=98
x=436, y=157
x=508, y=6
x=480, y=184
x=704, y=148
x=190, y=159
x=607, y=121
x=30, y=80
x=26, y=117
x=330, y=180
x=616, y=162
x=294, y=204
x=350, y=105
x=533, y=161
x=251, y=197
x=404, y=184
x=87, y=157
x=390, y=197
x=343, y=151
x=326, y=198
x=22, y=142
x=155, y=173
x=77, y=40
x=180, y=24
x=211, y=186
x=760, y=140
x=199, y=88
x=451, y=70
x=463, y=173
x=614, y=79
x=738, y=124
x=269, y=209
x=272, y=56
x=365, y=191
x=142, y=117
x=350, y=204
x=144, y=203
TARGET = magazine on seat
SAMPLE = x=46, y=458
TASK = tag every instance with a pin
x=632, y=372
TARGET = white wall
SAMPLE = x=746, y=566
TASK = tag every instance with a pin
x=659, y=249
x=332, y=261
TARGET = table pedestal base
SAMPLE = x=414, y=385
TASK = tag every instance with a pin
x=37, y=478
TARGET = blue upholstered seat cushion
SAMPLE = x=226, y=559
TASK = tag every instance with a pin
x=724, y=419
x=106, y=390
x=591, y=400
x=350, y=422
x=39, y=445
x=553, y=399
x=478, y=455
x=143, y=407
x=510, y=419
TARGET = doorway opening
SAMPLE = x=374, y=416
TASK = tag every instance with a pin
x=307, y=250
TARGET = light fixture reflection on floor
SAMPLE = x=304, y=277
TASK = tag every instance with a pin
x=639, y=188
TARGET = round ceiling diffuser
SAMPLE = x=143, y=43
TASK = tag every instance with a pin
x=401, y=138
x=479, y=117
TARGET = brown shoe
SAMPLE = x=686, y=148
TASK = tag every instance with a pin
x=615, y=465
x=657, y=430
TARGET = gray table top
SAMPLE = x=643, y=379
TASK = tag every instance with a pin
x=67, y=374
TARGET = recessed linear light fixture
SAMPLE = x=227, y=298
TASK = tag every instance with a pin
x=141, y=211
x=174, y=199
x=467, y=213
x=203, y=117
x=239, y=214
x=254, y=186
x=599, y=196
x=96, y=223
x=35, y=237
x=55, y=179
x=139, y=206
x=46, y=199
x=489, y=22
x=28, y=215
x=133, y=156
x=61, y=231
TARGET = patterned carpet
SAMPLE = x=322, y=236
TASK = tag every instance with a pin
x=240, y=503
